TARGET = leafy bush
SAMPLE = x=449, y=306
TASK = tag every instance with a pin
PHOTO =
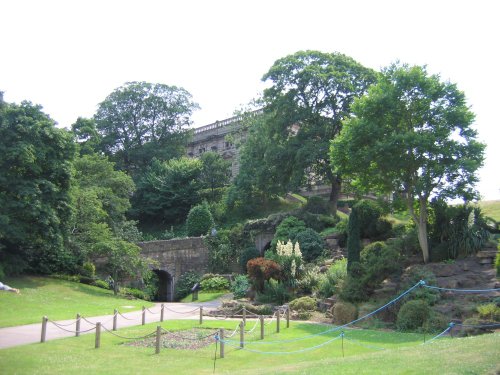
x=310, y=280
x=379, y=261
x=88, y=269
x=287, y=230
x=134, y=293
x=353, y=237
x=261, y=270
x=489, y=311
x=344, y=312
x=214, y=284
x=86, y=280
x=239, y=286
x=369, y=213
x=248, y=253
x=341, y=230
x=101, y=284
x=317, y=205
x=303, y=304
x=497, y=261
x=311, y=244
x=199, y=221
x=330, y=281
x=185, y=283
x=413, y=316
x=274, y=292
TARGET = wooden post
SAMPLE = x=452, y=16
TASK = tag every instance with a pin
x=44, y=328
x=288, y=317
x=143, y=315
x=244, y=316
x=342, y=335
x=161, y=314
x=278, y=321
x=98, y=335
x=115, y=320
x=201, y=314
x=261, y=327
x=242, y=334
x=77, y=330
x=158, y=339
x=221, y=336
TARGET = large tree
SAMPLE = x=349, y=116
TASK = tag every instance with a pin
x=215, y=172
x=35, y=175
x=141, y=120
x=310, y=94
x=411, y=134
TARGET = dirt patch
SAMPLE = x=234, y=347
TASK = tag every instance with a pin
x=191, y=339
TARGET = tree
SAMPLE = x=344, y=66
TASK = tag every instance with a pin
x=35, y=175
x=412, y=135
x=86, y=135
x=353, y=238
x=199, y=221
x=141, y=120
x=311, y=94
x=167, y=190
x=215, y=172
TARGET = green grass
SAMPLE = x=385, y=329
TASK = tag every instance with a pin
x=403, y=354
x=205, y=296
x=490, y=209
x=58, y=299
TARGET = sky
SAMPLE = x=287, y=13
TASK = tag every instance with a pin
x=69, y=55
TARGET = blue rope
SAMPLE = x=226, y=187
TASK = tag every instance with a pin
x=463, y=290
x=441, y=334
x=290, y=352
x=479, y=325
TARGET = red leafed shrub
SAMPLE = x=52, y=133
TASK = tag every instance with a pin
x=260, y=270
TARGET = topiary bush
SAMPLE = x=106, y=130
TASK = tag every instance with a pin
x=311, y=244
x=214, y=284
x=88, y=269
x=199, y=221
x=185, y=283
x=344, y=312
x=240, y=286
x=379, y=261
x=413, y=316
x=303, y=304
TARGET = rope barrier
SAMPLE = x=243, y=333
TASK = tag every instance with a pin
x=439, y=335
x=478, y=325
x=182, y=312
x=70, y=331
x=189, y=338
x=463, y=290
x=124, y=317
x=154, y=313
x=88, y=321
x=254, y=326
x=234, y=332
x=130, y=338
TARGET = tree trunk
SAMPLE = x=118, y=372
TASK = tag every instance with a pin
x=421, y=223
x=335, y=193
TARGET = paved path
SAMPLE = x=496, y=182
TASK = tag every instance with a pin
x=28, y=334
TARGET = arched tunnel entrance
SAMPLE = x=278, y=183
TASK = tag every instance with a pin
x=165, y=286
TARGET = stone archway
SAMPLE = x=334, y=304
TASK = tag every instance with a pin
x=165, y=286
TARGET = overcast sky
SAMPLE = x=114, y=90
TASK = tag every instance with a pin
x=69, y=55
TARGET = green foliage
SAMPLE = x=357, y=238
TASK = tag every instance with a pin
x=413, y=316
x=101, y=284
x=287, y=230
x=489, y=311
x=353, y=238
x=311, y=244
x=303, y=304
x=151, y=284
x=344, y=312
x=215, y=172
x=240, y=286
x=331, y=281
x=35, y=180
x=415, y=274
x=199, y=221
x=274, y=292
x=185, y=284
x=260, y=270
x=310, y=279
x=225, y=248
x=88, y=269
x=378, y=261
x=214, y=284
x=289, y=258
x=317, y=205
x=497, y=261
x=248, y=253
x=341, y=229
x=135, y=293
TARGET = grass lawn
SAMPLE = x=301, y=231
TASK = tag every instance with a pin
x=403, y=353
x=58, y=299
x=490, y=209
x=205, y=296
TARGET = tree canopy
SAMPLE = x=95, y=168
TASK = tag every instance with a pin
x=411, y=135
x=311, y=93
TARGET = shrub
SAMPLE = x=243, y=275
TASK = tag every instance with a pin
x=341, y=230
x=248, y=253
x=86, y=280
x=134, y=293
x=497, y=261
x=489, y=311
x=344, y=312
x=88, y=269
x=185, y=283
x=353, y=238
x=310, y=280
x=417, y=273
x=239, y=286
x=311, y=244
x=317, y=205
x=413, y=316
x=274, y=292
x=261, y=270
x=369, y=213
x=330, y=282
x=379, y=261
x=215, y=283
x=199, y=221
x=287, y=230
x=303, y=304
x=101, y=284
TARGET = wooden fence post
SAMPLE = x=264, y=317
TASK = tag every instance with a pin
x=244, y=316
x=115, y=320
x=288, y=317
x=158, y=339
x=278, y=321
x=261, y=327
x=77, y=329
x=161, y=314
x=201, y=314
x=44, y=328
x=221, y=336
x=98, y=335
x=143, y=315
x=242, y=334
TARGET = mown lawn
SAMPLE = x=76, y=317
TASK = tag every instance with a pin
x=59, y=300
x=490, y=209
x=403, y=353
x=205, y=296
